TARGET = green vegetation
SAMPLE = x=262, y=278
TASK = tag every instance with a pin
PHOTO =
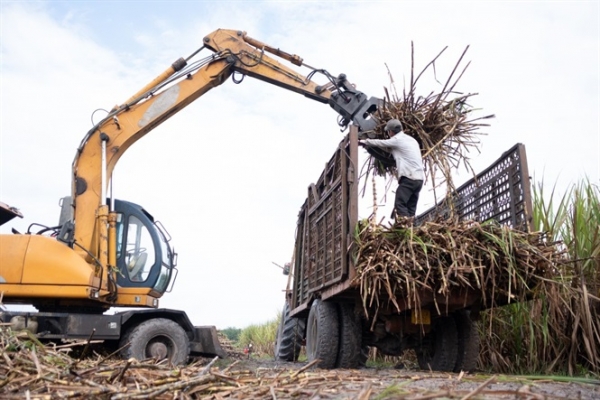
x=262, y=337
x=231, y=333
x=394, y=391
x=558, y=331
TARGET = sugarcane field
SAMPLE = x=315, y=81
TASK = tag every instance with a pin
x=530, y=295
x=418, y=220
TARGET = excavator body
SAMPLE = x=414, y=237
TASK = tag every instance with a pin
x=106, y=253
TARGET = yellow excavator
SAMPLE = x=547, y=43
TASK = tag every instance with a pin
x=107, y=253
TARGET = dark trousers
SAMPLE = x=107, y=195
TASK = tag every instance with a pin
x=407, y=196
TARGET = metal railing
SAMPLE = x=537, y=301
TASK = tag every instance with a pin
x=501, y=192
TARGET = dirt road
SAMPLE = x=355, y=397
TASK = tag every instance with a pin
x=278, y=380
x=43, y=373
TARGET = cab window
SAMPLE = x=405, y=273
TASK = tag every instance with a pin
x=139, y=256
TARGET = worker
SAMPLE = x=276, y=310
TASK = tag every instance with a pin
x=409, y=164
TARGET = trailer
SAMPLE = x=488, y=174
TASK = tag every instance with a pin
x=322, y=309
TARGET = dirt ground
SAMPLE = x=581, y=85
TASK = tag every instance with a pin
x=281, y=380
x=48, y=374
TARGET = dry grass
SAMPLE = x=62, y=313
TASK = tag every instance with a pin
x=443, y=123
x=558, y=331
x=447, y=257
x=551, y=278
x=33, y=371
x=261, y=337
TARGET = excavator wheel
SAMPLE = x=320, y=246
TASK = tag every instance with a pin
x=322, y=333
x=290, y=334
x=439, y=349
x=157, y=338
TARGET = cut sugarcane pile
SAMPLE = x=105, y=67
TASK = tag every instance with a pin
x=30, y=370
x=399, y=264
x=443, y=123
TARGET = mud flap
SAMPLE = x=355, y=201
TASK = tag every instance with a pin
x=206, y=343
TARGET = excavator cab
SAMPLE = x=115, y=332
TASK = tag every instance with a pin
x=144, y=256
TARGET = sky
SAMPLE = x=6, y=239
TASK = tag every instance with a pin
x=227, y=175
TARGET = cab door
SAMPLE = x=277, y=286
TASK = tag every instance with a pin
x=138, y=246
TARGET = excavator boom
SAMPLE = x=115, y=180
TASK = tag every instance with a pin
x=174, y=89
x=113, y=253
x=94, y=230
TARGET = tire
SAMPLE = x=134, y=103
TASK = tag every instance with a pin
x=322, y=334
x=157, y=338
x=349, y=353
x=365, y=352
x=290, y=335
x=468, y=342
x=438, y=351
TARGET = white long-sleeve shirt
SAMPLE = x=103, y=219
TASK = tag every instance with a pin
x=405, y=151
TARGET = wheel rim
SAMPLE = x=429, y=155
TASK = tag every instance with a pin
x=160, y=348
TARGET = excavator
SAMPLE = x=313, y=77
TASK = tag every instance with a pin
x=107, y=253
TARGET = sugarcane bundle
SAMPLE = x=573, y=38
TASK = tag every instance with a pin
x=443, y=123
x=401, y=262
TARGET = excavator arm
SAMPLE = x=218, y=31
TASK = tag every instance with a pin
x=351, y=104
x=181, y=84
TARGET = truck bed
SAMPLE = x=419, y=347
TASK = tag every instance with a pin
x=323, y=266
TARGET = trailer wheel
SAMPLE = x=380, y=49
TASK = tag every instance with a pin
x=322, y=333
x=468, y=342
x=290, y=335
x=439, y=349
x=365, y=352
x=349, y=353
x=157, y=338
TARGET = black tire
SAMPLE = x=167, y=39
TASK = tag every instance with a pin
x=157, y=338
x=322, y=333
x=350, y=337
x=468, y=342
x=365, y=352
x=290, y=335
x=438, y=352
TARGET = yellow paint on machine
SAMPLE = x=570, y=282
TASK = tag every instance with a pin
x=41, y=260
x=45, y=291
x=136, y=297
